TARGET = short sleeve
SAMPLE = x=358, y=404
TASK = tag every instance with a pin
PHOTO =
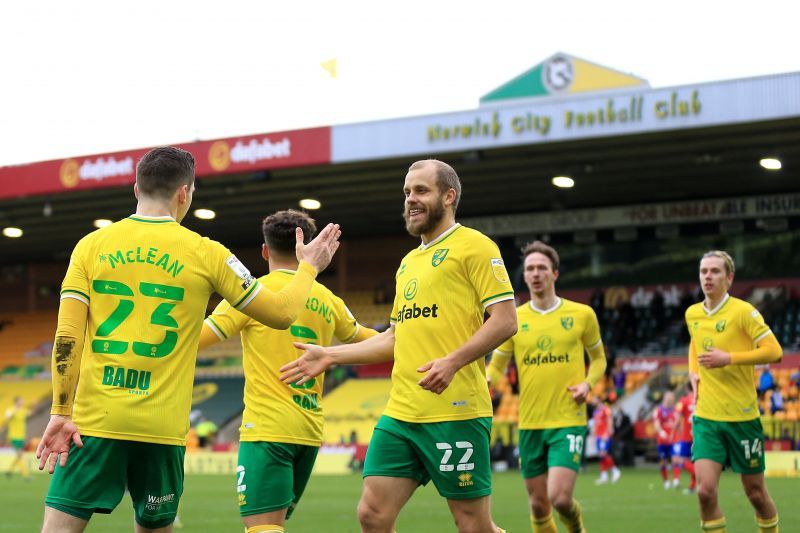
x=346, y=326
x=591, y=335
x=487, y=272
x=229, y=277
x=225, y=321
x=754, y=325
x=77, y=281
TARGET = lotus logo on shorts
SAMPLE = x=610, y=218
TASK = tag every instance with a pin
x=567, y=322
x=544, y=343
x=439, y=256
x=465, y=480
x=720, y=327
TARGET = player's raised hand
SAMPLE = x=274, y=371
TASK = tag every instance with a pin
x=58, y=436
x=311, y=364
x=714, y=358
x=579, y=392
x=440, y=373
x=319, y=252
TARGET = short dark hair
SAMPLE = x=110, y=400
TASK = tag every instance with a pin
x=161, y=171
x=446, y=177
x=542, y=248
x=278, y=229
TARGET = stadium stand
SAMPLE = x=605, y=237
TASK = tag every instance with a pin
x=218, y=398
x=353, y=408
x=26, y=341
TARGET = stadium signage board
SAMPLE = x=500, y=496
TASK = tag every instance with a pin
x=689, y=211
x=223, y=156
x=550, y=119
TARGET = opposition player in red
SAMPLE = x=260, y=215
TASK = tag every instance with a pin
x=664, y=418
x=682, y=447
x=603, y=431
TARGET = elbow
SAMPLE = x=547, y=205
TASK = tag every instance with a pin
x=778, y=354
x=283, y=322
x=510, y=327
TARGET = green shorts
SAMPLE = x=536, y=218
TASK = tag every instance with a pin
x=18, y=444
x=455, y=455
x=96, y=476
x=540, y=449
x=739, y=445
x=272, y=476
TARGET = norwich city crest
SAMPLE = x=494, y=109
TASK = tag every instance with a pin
x=720, y=327
x=567, y=322
x=439, y=256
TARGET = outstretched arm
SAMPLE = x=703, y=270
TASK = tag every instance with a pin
x=317, y=359
x=280, y=309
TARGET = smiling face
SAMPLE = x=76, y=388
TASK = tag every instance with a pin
x=425, y=206
x=714, y=278
x=539, y=275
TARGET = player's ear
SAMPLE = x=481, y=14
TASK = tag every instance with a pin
x=555, y=275
x=136, y=190
x=450, y=197
x=265, y=252
x=183, y=194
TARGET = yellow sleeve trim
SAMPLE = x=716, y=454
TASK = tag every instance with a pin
x=248, y=297
x=595, y=345
x=763, y=335
x=75, y=296
x=216, y=329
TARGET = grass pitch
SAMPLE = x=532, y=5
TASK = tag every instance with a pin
x=637, y=503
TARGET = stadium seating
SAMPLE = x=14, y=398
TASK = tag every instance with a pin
x=364, y=307
x=219, y=398
x=354, y=406
x=26, y=339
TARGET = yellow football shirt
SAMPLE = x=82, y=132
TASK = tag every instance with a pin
x=726, y=394
x=549, y=352
x=146, y=281
x=16, y=422
x=273, y=410
x=442, y=291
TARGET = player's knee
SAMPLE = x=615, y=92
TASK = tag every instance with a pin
x=757, y=494
x=562, y=502
x=706, y=493
x=469, y=523
x=539, y=506
x=370, y=516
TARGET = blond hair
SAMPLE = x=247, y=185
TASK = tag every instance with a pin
x=730, y=267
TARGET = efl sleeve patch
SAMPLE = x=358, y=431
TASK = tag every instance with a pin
x=499, y=270
x=240, y=270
